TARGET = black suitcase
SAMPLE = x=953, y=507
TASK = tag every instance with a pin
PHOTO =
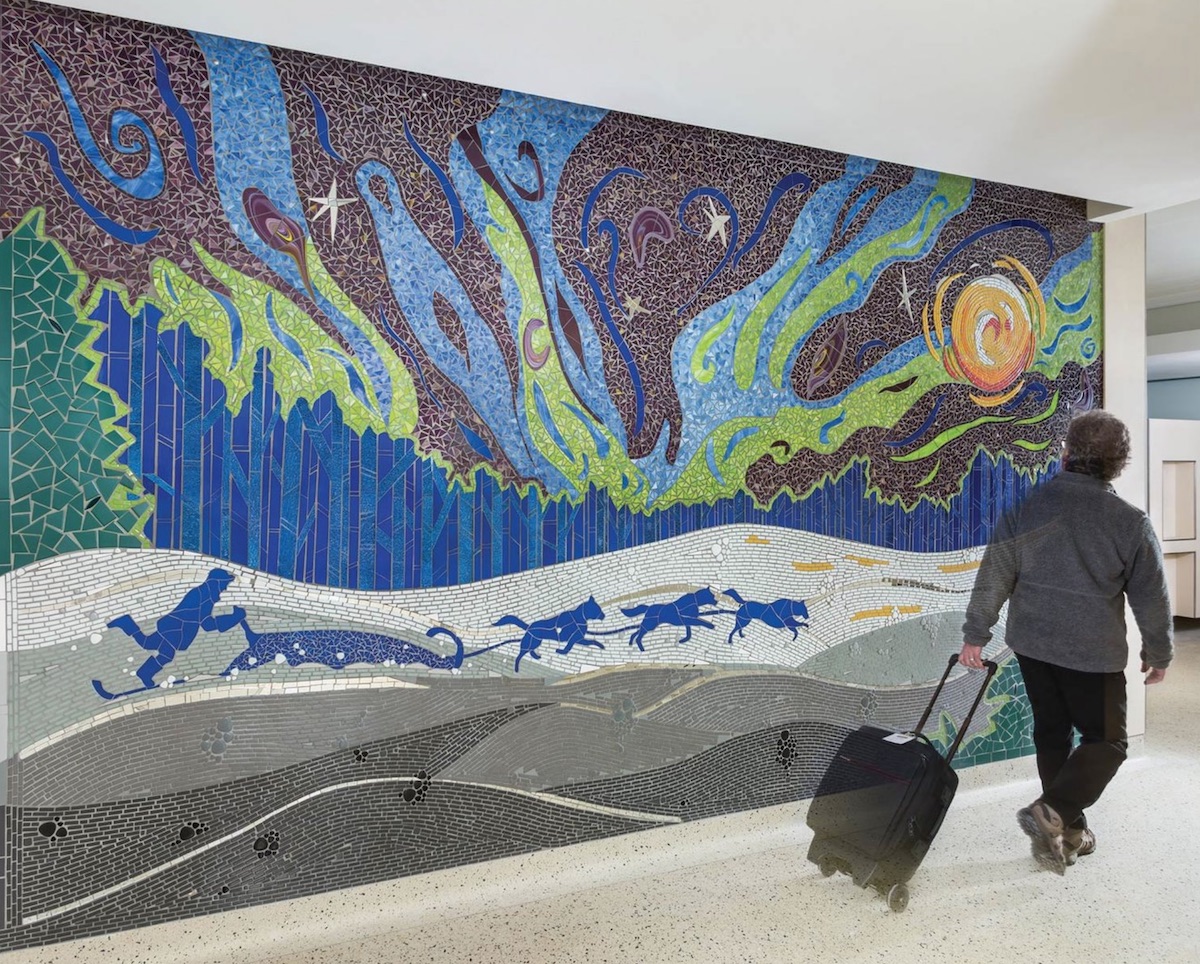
x=882, y=801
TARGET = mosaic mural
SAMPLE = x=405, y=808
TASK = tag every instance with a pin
x=453, y=473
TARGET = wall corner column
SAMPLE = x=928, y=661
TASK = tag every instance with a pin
x=1125, y=391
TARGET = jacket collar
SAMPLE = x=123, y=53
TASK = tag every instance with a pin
x=1081, y=478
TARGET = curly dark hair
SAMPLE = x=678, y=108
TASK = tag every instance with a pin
x=1097, y=445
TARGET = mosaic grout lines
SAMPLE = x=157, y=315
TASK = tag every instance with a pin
x=397, y=473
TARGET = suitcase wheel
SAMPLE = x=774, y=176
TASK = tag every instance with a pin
x=827, y=865
x=897, y=897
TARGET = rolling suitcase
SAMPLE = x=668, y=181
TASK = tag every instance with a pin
x=882, y=801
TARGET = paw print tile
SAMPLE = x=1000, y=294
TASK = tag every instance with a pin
x=417, y=789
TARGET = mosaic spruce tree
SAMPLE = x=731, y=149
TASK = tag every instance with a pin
x=67, y=488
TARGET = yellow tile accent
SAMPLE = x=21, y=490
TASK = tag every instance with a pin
x=959, y=567
x=867, y=561
x=871, y=614
x=812, y=566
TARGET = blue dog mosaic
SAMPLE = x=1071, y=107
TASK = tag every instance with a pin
x=338, y=648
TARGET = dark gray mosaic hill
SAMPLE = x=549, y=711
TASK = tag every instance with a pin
x=669, y=743
x=65, y=853
x=359, y=835
x=755, y=770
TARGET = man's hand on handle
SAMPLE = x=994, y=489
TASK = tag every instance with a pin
x=971, y=656
x=1153, y=675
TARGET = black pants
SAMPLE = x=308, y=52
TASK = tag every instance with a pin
x=1063, y=701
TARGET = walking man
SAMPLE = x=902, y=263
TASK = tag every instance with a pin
x=1065, y=561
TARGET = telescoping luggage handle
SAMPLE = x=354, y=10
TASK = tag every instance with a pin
x=962, y=730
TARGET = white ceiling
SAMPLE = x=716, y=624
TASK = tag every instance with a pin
x=1173, y=256
x=1176, y=355
x=1173, y=279
x=1096, y=98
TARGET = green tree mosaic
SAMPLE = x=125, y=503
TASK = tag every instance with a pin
x=1009, y=731
x=62, y=487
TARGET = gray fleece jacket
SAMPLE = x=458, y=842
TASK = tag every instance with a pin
x=1065, y=560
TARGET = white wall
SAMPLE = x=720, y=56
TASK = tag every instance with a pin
x=1176, y=398
x=1125, y=390
x=1174, y=354
x=1164, y=321
x=1174, y=454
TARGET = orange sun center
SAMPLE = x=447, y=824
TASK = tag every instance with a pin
x=992, y=337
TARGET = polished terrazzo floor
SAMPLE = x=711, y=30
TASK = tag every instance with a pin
x=739, y=889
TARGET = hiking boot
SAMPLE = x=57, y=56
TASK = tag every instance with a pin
x=1045, y=829
x=1078, y=843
